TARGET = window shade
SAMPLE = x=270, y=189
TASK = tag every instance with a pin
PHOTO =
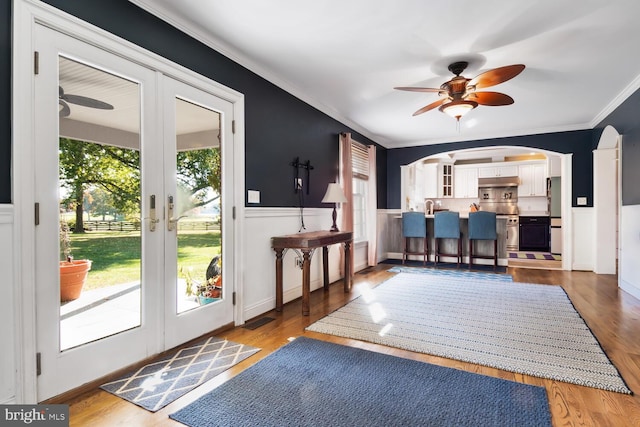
x=359, y=160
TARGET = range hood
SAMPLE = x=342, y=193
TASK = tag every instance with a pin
x=499, y=181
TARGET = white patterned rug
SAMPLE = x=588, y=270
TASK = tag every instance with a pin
x=517, y=327
x=159, y=383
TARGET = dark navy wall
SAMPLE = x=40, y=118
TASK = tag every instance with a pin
x=5, y=102
x=278, y=126
x=626, y=120
x=577, y=142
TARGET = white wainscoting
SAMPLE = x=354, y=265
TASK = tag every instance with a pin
x=7, y=314
x=258, y=275
x=583, y=239
x=629, y=273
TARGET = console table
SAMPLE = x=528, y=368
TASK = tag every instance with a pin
x=307, y=243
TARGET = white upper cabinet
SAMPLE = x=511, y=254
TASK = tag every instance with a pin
x=496, y=171
x=465, y=183
x=430, y=180
x=533, y=180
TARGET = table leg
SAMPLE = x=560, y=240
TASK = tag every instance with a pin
x=347, y=266
x=325, y=267
x=306, y=279
x=278, y=278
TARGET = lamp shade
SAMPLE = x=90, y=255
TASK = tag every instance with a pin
x=458, y=108
x=334, y=194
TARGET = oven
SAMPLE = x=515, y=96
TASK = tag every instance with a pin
x=535, y=233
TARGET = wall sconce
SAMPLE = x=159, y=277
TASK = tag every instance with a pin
x=334, y=195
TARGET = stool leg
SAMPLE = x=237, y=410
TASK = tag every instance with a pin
x=404, y=253
x=426, y=252
x=470, y=253
x=495, y=255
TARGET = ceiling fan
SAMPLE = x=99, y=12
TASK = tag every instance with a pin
x=459, y=95
x=65, y=99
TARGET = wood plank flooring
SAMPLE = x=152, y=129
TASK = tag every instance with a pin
x=612, y=315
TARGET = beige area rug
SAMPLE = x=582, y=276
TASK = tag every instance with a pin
x=518, y=327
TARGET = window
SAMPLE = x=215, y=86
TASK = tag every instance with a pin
x=360, y=169
x=359, y=210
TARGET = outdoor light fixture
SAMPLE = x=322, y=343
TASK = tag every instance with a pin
x=334, y=195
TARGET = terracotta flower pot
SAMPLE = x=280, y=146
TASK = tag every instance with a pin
x=73, y=274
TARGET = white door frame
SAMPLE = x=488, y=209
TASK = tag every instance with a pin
x=607, y=201
x=26, y=13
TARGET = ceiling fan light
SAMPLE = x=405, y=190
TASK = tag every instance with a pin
x=459, y=108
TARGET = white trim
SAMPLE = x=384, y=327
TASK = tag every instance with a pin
x=266, y=212
x=616, y=102
x=26, y=13
x=566, y=184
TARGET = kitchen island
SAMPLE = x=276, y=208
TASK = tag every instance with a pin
x=393, y=234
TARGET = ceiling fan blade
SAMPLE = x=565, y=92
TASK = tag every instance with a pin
x=430, y=106
x=87, y=102
x=84, y=101
x=496, y=76
x=418, y=89
x=64, y=109
x=490, y=98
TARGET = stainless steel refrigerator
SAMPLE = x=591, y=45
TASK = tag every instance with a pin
x=554, y=197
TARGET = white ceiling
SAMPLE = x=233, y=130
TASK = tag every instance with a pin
x=345, y=57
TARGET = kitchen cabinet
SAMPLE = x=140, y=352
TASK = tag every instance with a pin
x=496, y=171
x=533, y=180
x=465, y=182
x=445, y=189
x=430, y=183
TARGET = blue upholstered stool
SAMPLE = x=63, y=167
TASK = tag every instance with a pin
x=482, y=226
x=447, y=226
x=414, y=225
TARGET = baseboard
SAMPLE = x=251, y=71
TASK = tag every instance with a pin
x=630, y=289
x=8, y=401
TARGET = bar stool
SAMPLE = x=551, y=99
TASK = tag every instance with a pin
x=447, y=226
x=482, y=226
x=414, y=225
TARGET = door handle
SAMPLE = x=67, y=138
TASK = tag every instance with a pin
x=172, y=223
x=153, y=220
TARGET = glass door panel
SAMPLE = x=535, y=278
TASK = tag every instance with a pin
x=99, y=202
x=197, y=206
x=199, y=232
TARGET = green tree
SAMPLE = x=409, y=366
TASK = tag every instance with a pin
x=114, y=169
x=198, y=172
x=86, y=166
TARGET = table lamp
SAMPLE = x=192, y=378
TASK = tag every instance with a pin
x=334, y=195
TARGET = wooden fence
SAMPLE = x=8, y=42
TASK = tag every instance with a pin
x=135, y=225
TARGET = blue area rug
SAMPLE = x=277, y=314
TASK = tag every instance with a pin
x=315, y=383
x=157, y=384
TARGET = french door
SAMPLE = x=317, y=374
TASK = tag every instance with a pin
x=130, y=175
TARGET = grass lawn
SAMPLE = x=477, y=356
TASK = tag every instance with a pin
x=115, y=255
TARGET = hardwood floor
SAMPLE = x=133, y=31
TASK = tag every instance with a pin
x=612, y=315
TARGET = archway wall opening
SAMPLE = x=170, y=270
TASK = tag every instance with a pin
x=577, y=143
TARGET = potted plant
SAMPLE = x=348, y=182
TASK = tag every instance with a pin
x=208, y=291
x=73, y=273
